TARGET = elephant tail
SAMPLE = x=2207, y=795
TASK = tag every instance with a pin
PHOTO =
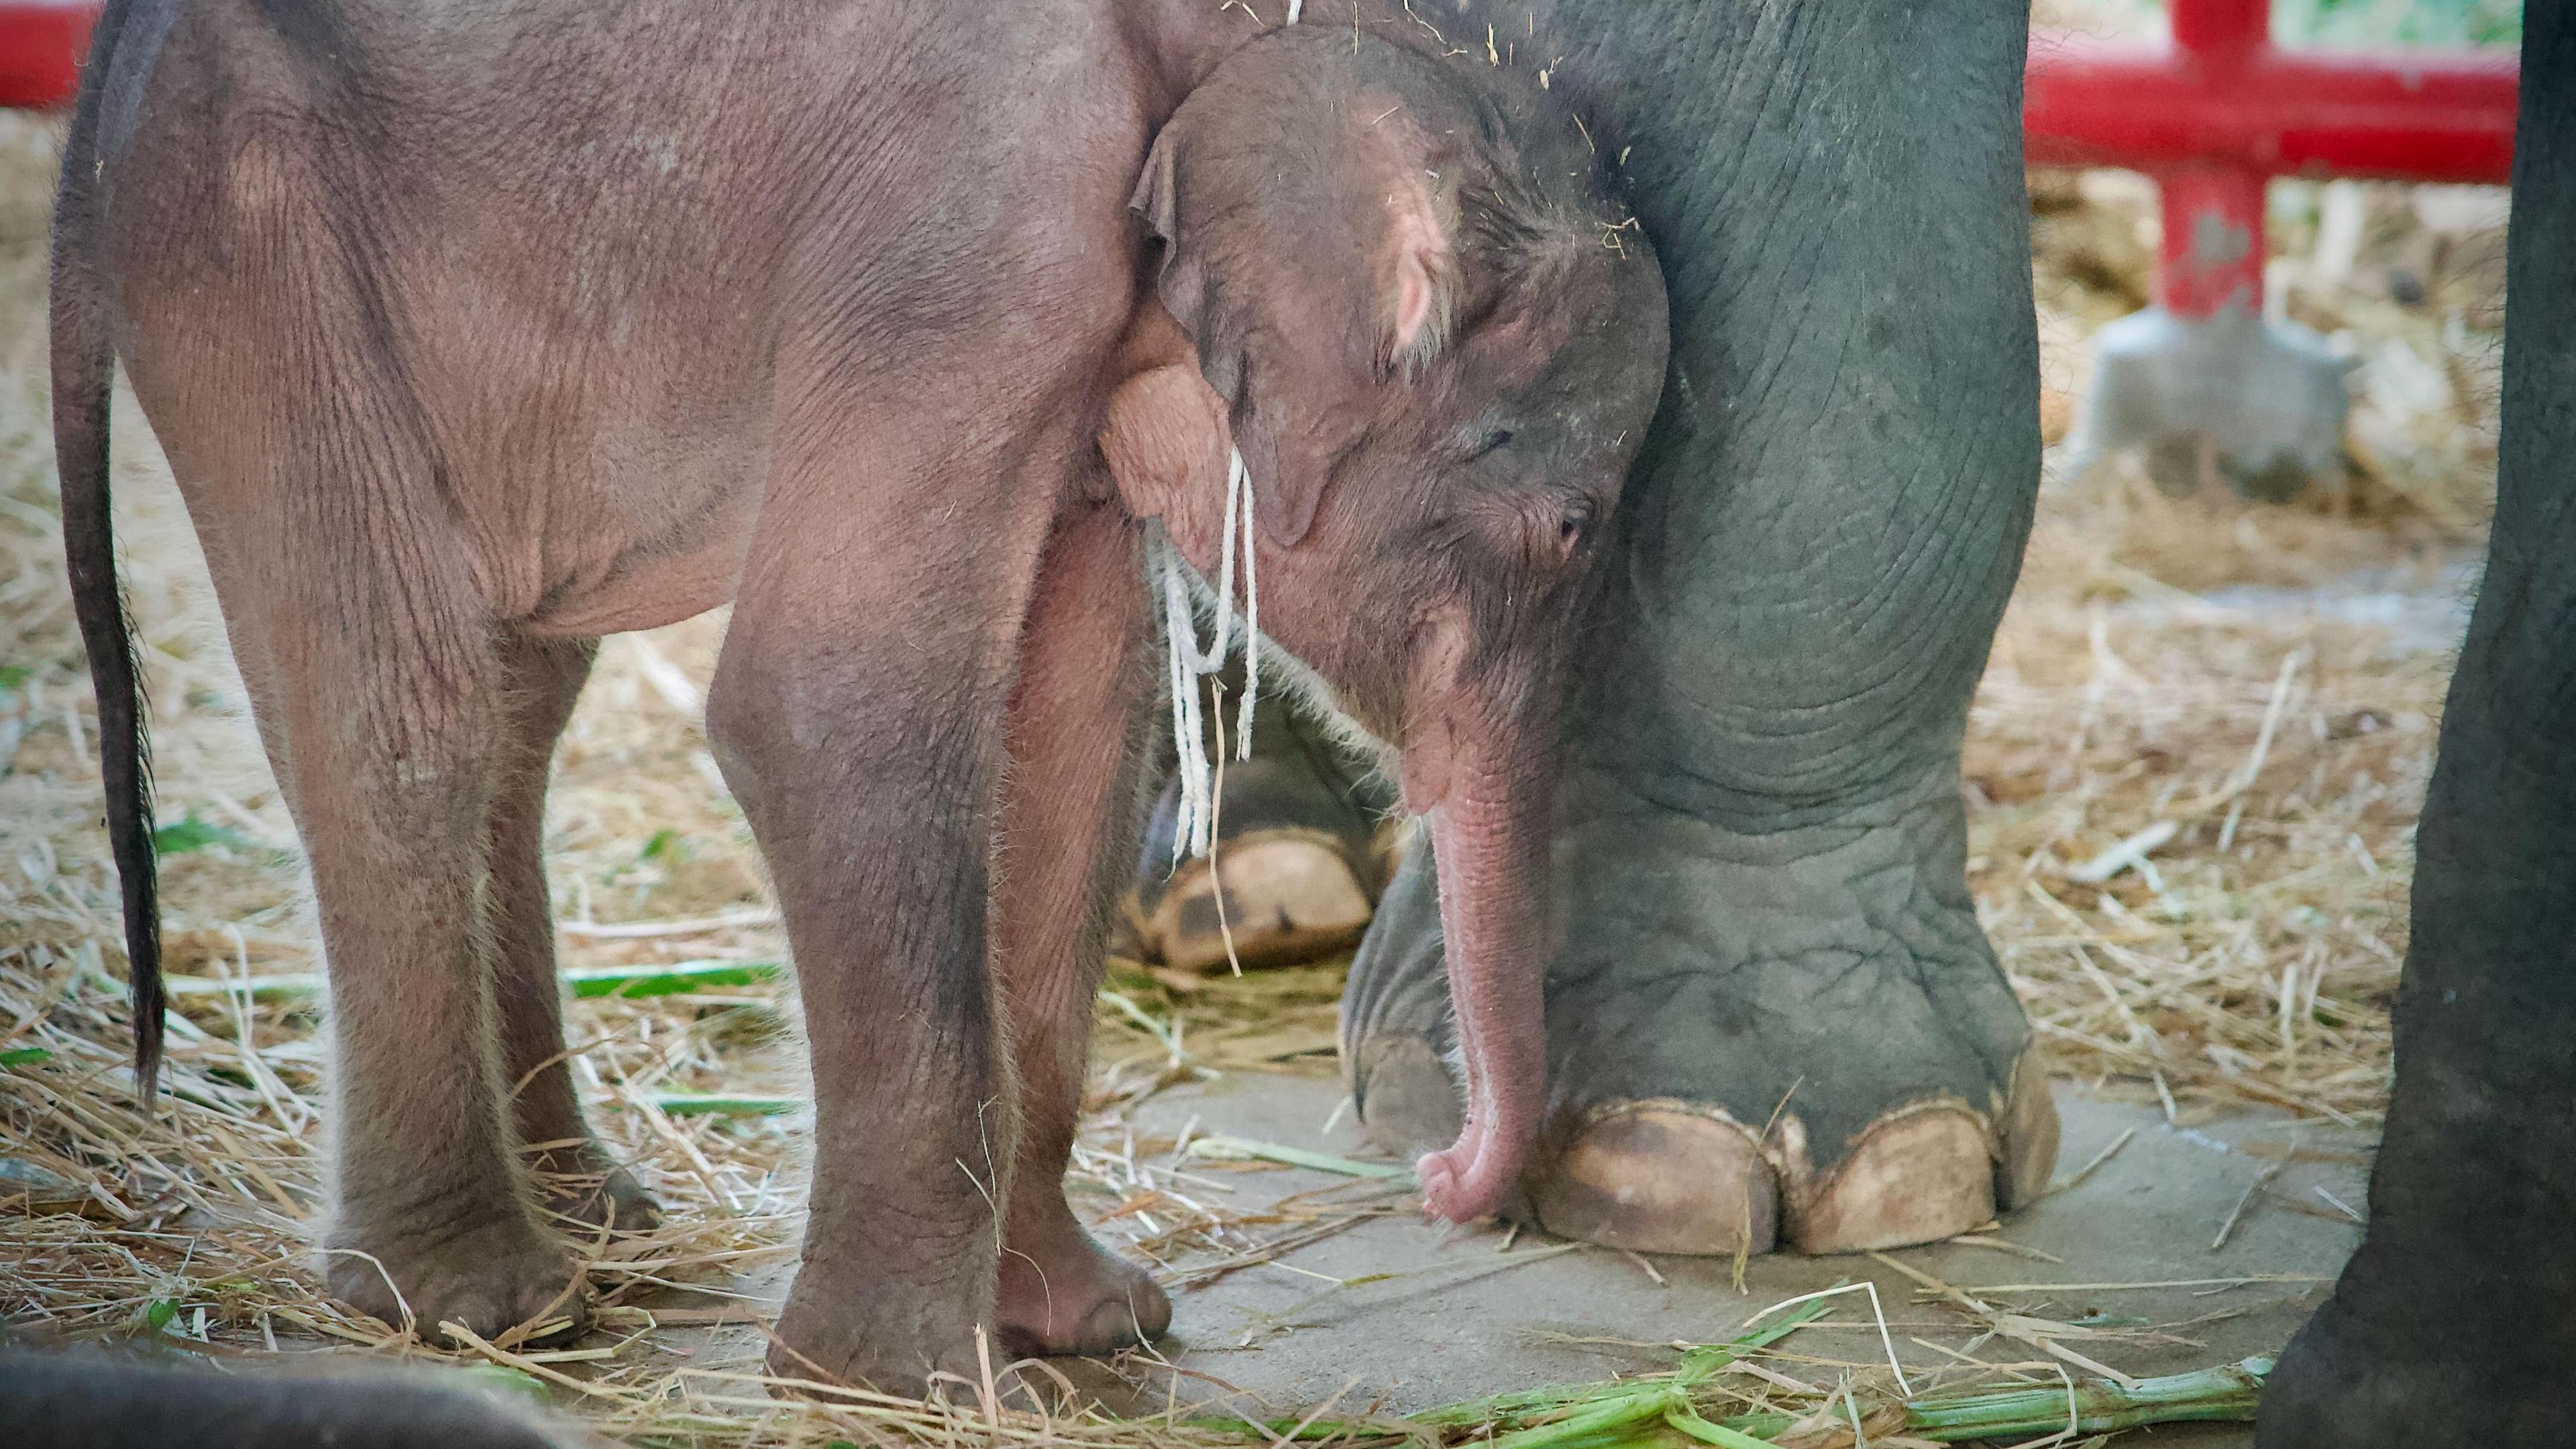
x=84, y=369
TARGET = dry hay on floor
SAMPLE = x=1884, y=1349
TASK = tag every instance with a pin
x=2190, y=824
x=2157, y=680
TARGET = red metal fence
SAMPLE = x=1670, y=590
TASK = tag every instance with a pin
x=41, y=44
x=2220, y=110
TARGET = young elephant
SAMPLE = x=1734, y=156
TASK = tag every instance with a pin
x=739, y=318
x=1382, y=275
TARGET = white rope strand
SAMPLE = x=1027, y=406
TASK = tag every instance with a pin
x=1251, y=613
x=1195, y=831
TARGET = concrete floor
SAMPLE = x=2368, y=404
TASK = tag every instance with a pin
x=1430, y=1316
x=1398, y=1314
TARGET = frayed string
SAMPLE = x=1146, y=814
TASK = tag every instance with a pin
x=1195, y=831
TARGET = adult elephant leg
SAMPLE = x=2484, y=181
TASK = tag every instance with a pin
x=1774, y=1014
x=2459, y=1309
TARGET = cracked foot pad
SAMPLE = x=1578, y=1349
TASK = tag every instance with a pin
x=1290, y=895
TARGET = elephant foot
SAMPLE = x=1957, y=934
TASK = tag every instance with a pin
x=582, y=1191
x=853, y=1329
x=2454, y=1322
x=1875, y=1092
x=1070, y=1296
x=494, y=1279
x=1289, y=895
x=2345, y=1383
x=1673, y=1176
x=1295, y=855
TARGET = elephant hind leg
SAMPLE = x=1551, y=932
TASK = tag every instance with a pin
x=379, y=694
x=576, y=1181
x=330, y=508
x=2455, y=1320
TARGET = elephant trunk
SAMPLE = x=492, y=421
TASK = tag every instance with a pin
x=1489, y=839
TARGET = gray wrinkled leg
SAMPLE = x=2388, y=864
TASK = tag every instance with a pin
x=1773, y=1016
x=2452, y=1321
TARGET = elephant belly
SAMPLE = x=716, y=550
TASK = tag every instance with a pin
x=641, y=527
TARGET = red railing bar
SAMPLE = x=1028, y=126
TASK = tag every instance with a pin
x=2420, y=116
x=41, y=44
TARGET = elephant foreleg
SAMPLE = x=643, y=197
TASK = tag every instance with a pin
x=2459, y=1308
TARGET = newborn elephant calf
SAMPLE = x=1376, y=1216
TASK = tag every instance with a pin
x=472, y=338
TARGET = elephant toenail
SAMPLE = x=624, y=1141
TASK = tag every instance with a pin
x=1289, y=895
x=1917, y=1174
x=1659, y=1178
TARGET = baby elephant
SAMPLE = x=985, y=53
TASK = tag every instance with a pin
x=470, y=344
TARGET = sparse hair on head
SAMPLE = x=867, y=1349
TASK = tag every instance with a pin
x=1482, y=185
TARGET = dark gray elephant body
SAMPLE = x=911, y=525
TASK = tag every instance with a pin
x=88, y=1399
x=1762, y=846
x=2455, y=1321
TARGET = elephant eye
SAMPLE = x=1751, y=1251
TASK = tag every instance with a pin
x=1573, y=526
x=1498, y=438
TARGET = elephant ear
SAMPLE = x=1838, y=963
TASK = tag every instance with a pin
x=1413, y=261
x=1181, y=277
x=1291, y=424
x=1210, y=307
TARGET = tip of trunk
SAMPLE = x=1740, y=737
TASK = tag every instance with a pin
x=1489, y=859
x=1470, y=1178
